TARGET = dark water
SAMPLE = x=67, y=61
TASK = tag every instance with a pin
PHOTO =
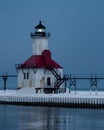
x=47, y=118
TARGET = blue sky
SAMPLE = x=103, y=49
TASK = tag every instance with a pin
x=76, y=27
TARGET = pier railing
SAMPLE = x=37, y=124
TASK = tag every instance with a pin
x=71, y=80
x=5, y=76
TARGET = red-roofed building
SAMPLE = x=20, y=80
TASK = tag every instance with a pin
x=40, y=70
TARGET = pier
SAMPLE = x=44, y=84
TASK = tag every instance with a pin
x=68, y=98
x=80, y=99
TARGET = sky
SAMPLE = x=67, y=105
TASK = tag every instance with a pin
x=76, y=28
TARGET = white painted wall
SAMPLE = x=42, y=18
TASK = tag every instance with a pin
x=37, y=78
x=39, y=45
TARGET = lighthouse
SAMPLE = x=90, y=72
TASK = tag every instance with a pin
x=40, y=71
x=40, y=39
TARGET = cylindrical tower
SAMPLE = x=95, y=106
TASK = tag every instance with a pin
x=40, y=39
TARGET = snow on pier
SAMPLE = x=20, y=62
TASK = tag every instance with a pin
x=27, y=96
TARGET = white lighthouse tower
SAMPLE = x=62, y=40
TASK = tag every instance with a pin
x=40, y=70
x=40, y=39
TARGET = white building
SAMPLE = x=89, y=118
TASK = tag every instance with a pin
x=40, y=70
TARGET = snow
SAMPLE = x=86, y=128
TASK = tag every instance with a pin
x=26, y=90
x=30, y=91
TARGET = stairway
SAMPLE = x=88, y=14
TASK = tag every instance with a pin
x=59, y=80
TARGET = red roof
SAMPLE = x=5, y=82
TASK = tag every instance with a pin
x=40, y=61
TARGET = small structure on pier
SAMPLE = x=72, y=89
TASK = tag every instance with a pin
x=40, y=70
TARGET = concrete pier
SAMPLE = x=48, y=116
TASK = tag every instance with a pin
x=80, y=99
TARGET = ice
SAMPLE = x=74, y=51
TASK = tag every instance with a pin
x=30, y=91
x=28, y=94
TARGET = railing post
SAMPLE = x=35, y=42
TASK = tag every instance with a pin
x=93, y=82
x=5, y=77
x=72, y=81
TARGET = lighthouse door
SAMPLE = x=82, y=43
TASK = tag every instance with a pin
x=48, y=81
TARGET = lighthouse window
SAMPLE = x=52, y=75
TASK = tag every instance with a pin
x=48, y=81
x=26, y=75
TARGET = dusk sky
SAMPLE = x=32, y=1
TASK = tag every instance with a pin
x=76, y=28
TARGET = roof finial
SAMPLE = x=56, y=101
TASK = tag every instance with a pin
x=40, y=22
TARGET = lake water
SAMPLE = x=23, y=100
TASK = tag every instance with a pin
x=49, y=118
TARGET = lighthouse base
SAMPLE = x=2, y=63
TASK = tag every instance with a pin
x=48, y=90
